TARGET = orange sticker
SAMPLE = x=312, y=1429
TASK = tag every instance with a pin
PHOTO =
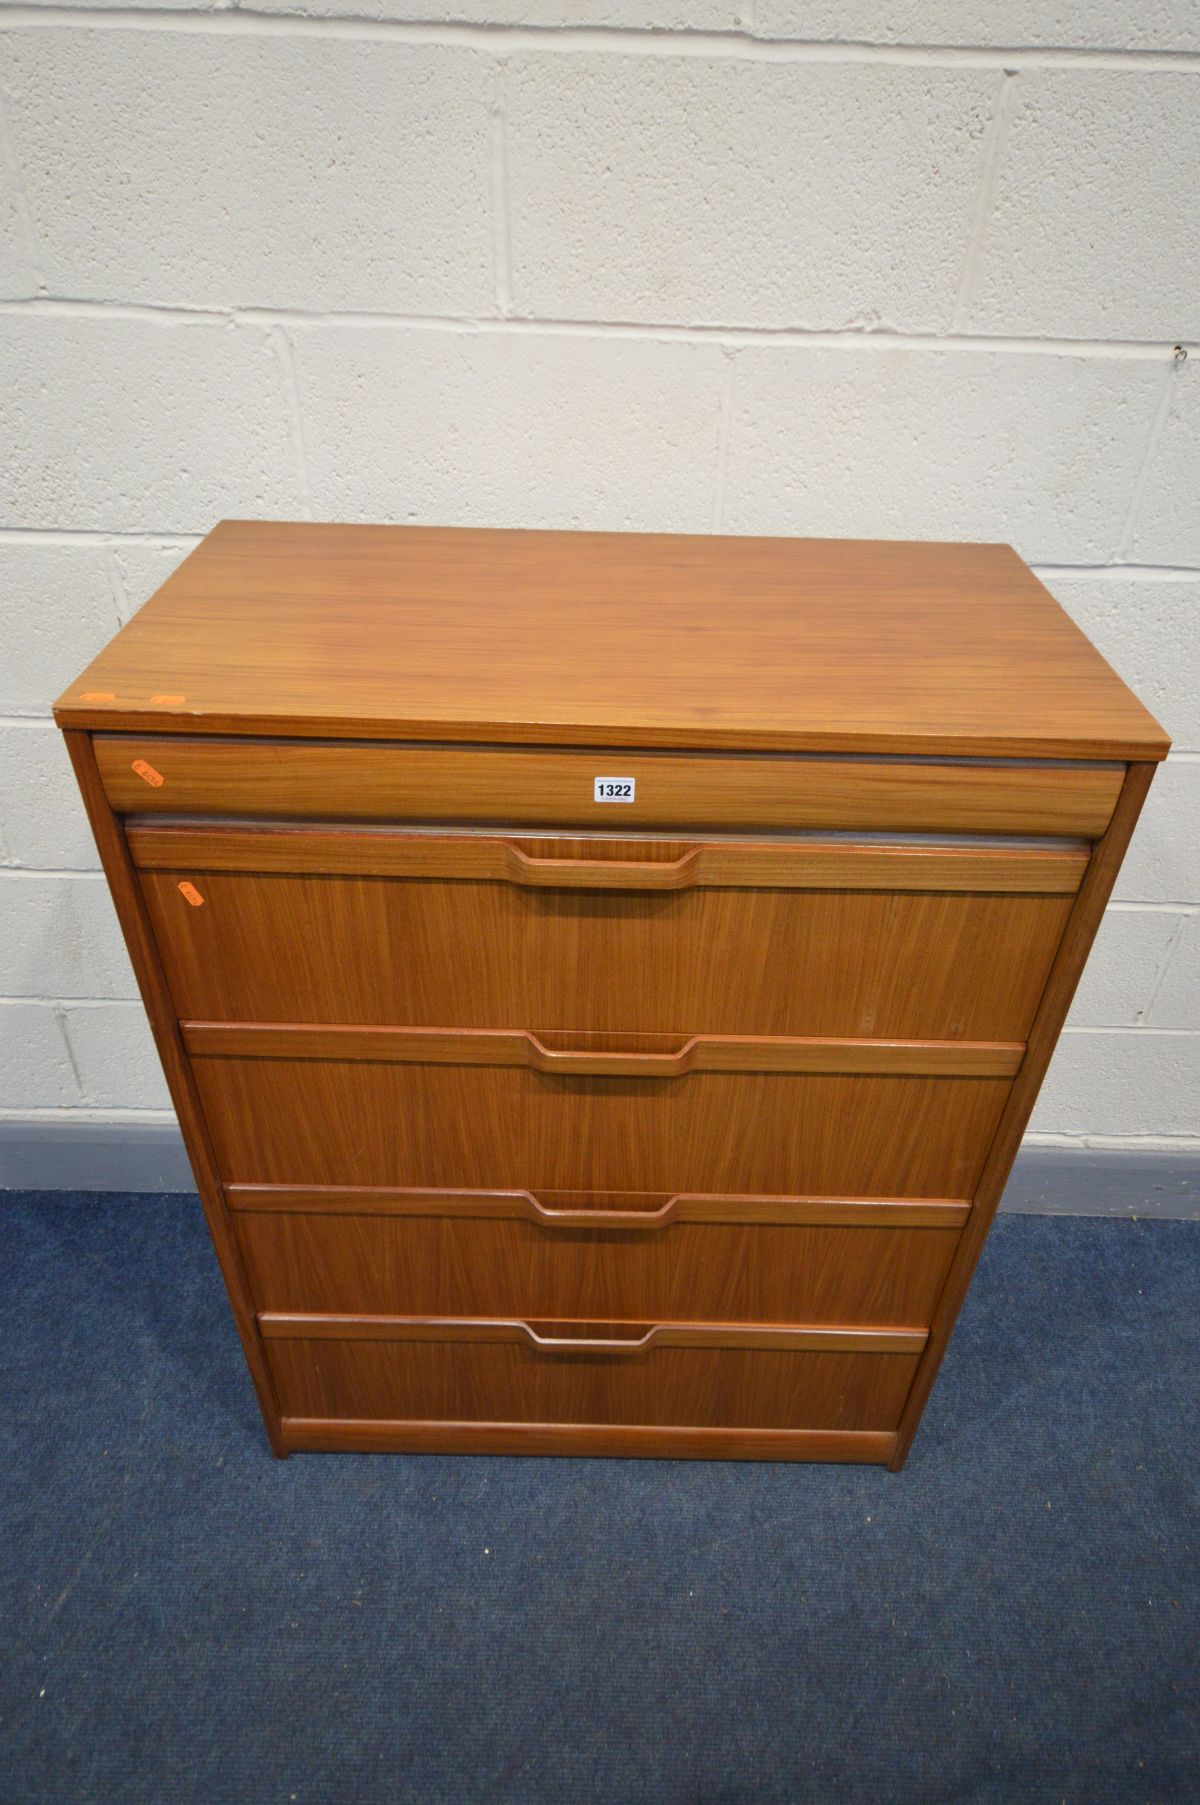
x=148, y=774
x=169, y=701
x=190, y=894
x=97, y=695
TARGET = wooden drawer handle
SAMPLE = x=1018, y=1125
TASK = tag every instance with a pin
x=589, y=1344
x=601, y=874
x=522, y=1047
x=641, y=1219
x=622, y=1339
x=749, y=1335
x=587, y=1061
x=661, y=1209
x=800, y=864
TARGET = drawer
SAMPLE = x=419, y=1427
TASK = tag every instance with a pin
x=668, y=1375
x=252, y=777
x=594, y=1258
x=430, y=1111
x=806, y=937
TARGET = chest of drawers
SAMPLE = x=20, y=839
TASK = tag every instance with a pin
x=603, y=980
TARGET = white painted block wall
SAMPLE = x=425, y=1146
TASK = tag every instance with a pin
x=747, y=268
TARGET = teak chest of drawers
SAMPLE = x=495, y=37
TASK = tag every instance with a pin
x=603, y=980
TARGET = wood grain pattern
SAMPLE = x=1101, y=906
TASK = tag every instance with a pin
x=1086, y=917
x=253, y=777
x=628, y=1442
x=507, y=1382
x=652, y=1057
x=757, y=1260
x=606, y=862
x=324, y=1122
x=139, y=940
x=842, y=963
x=613, y=639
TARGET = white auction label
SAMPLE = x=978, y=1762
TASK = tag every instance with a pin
x=614, y=789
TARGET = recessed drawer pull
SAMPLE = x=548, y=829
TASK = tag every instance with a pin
x=622, y=1219
x=996, y=868
x=656, y=1210
x=576, y=1337
x=590, y=1344
x=522, y=1047
x=588, y=1061
x=602, y=874
x=751, y=1335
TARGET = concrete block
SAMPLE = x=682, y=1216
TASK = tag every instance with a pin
x=1018, y=24
x=59, y=938
x=1177, y=1004
x=1128, y=959
x=912, y=444
x=142, y=568
x=1166, y=527
x=1136, y=1082
x=1093, y=229
x=44, y=822
x=502, y=430
x=35, y=1066
x=60, y=608
x=311, y=172
x=702, y=192
x=115, y=1056
x=143, y=425
x=641, y=15
x=155, y=6
x=1163, y=861
x=1149, y=630
x=18, y=277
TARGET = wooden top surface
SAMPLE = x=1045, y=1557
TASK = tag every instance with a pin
x=814, y=645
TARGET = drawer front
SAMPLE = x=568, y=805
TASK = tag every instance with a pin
x=321, y=1121
x=456, y=1373
x=841, y=940
x=252, y=777
x=615, y=1258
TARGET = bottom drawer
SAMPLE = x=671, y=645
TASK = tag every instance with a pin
x=689, y=1376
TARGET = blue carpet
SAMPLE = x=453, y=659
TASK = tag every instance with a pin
x=1012, y=1618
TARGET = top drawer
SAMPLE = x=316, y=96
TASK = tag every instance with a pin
x=604, y=789
x=791, y=935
